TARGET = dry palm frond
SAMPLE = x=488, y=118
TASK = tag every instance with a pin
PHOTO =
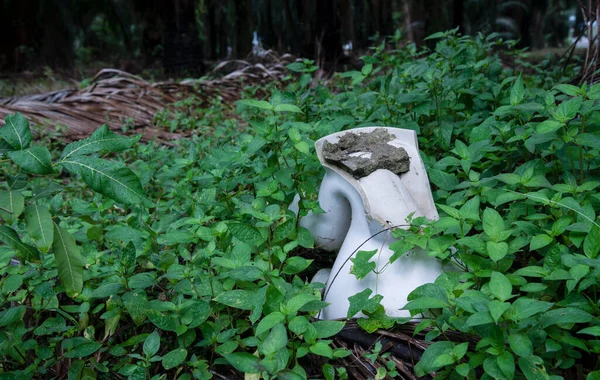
x=401, y=350
x=591, y=67
x=115, y=97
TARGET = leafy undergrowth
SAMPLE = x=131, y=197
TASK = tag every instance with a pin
x=187, y=261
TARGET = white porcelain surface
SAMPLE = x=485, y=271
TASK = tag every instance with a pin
x=355, y=210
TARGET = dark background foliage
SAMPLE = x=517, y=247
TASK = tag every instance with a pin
x=178, y=35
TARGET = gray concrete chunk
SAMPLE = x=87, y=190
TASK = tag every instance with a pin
x=360, y=154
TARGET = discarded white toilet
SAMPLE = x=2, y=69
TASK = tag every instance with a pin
x=361, y=199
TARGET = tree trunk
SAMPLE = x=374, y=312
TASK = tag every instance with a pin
x=538, y=14
x=347, y=21
x=329, y=33
x=418, y=20
x=458, y=12
x=243, y=28
x=57, y=34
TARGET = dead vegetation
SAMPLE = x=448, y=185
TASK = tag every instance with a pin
x=115, y=98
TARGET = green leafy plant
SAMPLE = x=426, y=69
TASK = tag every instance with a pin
x=215, y=270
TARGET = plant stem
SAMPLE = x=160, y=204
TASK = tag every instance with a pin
x=581, y=152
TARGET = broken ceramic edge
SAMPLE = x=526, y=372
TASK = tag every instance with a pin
x=371, y=184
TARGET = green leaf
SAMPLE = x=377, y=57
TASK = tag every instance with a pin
x=127, y=259
x=591, y=243
x=497, y=250
x=558, y=275
x=305, y=238
x=298, y=301
x=460, y=350
x=238, y=299
x=568, y=89
x=302, y=147
x=275, y=341
x=68, y=261
x=427, y=363
x=11, y=283
x=245, y=273
x=174, y=358
x=102, y=140
x=246, y=234
x=470, y=210
x=479, y=318
x=568, y=110
x=322, y=348
x=533, y=287
x=11, y=315
x=177, y=237
x=256, y=103
x=151, y=344
x=593, y=92
x=361, y=301
x=520, y=344
x=564, y=315
x=328, y=371
x=549, y=126
x=436, y=35
x=108, y=289
x=284, y=230
x=451, y=211
x=443, y=360
x=287, y=108
x=289, y=375
x=509, y=178
x=493, y=225
x=268, y=322
x=195, y=315
x=12, y=204
x=463, y=369
x=16, y=131
x=524, y=308
x=10, y=238
x=540, y=241
x=141, y=280
x=588, y=139
x=595, y=375
x=79, y=347
x=517, y=93
x=294, y=135
x=506, y=363
x=594, y=331
x=39, y=224
x=361, y=265
x=577, y=272
x=108, y=178
x=425, y=303
x=379, y=320
x=491, y=368
x=325, y=329
x=500, y=286
x=136, y=304
x=531, y=370
x=162, y=320
x=296, y=264
x=299, y=324
x=443, y=180
x=244, y=362
x=36, y=160
x=532, y=271
x=258, y=299
x=497, y=309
